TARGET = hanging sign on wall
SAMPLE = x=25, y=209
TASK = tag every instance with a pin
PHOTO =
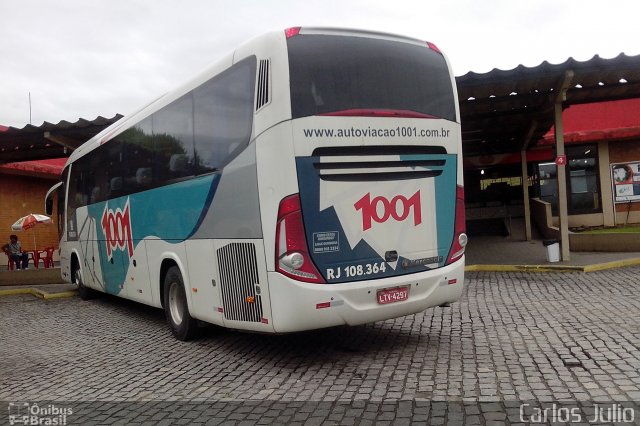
x=625, y=178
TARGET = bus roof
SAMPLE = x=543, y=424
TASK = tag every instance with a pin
x=219, y=65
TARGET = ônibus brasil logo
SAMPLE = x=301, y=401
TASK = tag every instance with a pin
x=398, y=208
x=116, y=226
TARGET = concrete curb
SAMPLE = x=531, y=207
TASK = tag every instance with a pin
x=553, y=268
x=38, y=293
x=612, y=265
x=522, y=268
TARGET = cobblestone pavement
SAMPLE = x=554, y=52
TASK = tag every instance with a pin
x=517, y=347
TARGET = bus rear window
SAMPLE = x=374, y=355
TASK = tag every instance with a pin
x=330, y=73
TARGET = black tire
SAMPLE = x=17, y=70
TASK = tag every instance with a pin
x=85, y=293
x=176, y=310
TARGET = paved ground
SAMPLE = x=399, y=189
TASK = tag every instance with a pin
x=542, y=340
x=515, y=250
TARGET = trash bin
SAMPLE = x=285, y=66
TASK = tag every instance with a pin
x=553, y=250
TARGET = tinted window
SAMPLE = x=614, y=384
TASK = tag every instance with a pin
x=112, y=176
x=82, y=181
x=129, y=157
x=336, y=73
x=198, y=133
x=224, y=116
x=173, y=140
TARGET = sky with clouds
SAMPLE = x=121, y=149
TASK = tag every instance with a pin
x=82, y=59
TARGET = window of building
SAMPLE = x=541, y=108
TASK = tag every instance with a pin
x=583, y=190
x=548, y=181
x=582, y=179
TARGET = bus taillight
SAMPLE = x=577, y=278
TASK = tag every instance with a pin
x=292, y=256
x=292, y=32
x=434, y=47
x=459, y=236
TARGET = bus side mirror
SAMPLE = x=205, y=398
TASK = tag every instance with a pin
x=48, y=207
x=48, y=199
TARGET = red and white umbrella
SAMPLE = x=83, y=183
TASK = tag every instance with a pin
x=28, y=222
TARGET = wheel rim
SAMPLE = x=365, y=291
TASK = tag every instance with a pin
x=78, y=276
x=176, y=303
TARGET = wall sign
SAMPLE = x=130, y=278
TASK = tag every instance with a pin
x=625, y=178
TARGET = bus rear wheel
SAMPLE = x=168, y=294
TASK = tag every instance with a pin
x=176, y=310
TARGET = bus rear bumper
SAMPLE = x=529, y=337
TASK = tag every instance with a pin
x=298, y=306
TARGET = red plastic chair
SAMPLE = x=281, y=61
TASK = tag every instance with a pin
x=11, y=265
x=33, y=256
x=46, y=256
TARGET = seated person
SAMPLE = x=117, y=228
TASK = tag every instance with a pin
x=14, y=250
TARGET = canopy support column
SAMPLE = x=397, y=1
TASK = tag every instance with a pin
x=561, y=168
x=525, y=180
x=525, y=195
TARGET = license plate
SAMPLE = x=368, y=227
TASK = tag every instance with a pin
x=392, y=295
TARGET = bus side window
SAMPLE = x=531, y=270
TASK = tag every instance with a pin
x=137, y=151
x=224, y=116
x=173, y=140
x=114, y=159
x=82, y=181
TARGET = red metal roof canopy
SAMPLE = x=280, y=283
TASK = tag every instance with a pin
x=505, y=111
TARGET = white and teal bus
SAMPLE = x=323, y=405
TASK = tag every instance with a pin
x=311, y=178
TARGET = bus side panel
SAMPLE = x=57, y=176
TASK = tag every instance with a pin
x=83, y=241
x=228, y=284
x=120, y=226
x=159, y=251
x=277, y=179
x=65, y=260
x=235, y=209
x=203, y=282
x=137, y=281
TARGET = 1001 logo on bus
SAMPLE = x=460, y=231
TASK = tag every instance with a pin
x=380, y=209
x=116, y=226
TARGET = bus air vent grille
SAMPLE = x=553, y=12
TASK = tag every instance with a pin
x=262, y=95
x=379, y=163
x=238, y=279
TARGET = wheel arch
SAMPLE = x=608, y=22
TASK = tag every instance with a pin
x=75, y=261
x=169, y=260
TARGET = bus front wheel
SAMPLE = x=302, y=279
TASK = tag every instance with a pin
x=84, y=292
x=176, y=310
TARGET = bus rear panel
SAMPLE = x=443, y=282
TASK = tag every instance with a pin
x=376, y=228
